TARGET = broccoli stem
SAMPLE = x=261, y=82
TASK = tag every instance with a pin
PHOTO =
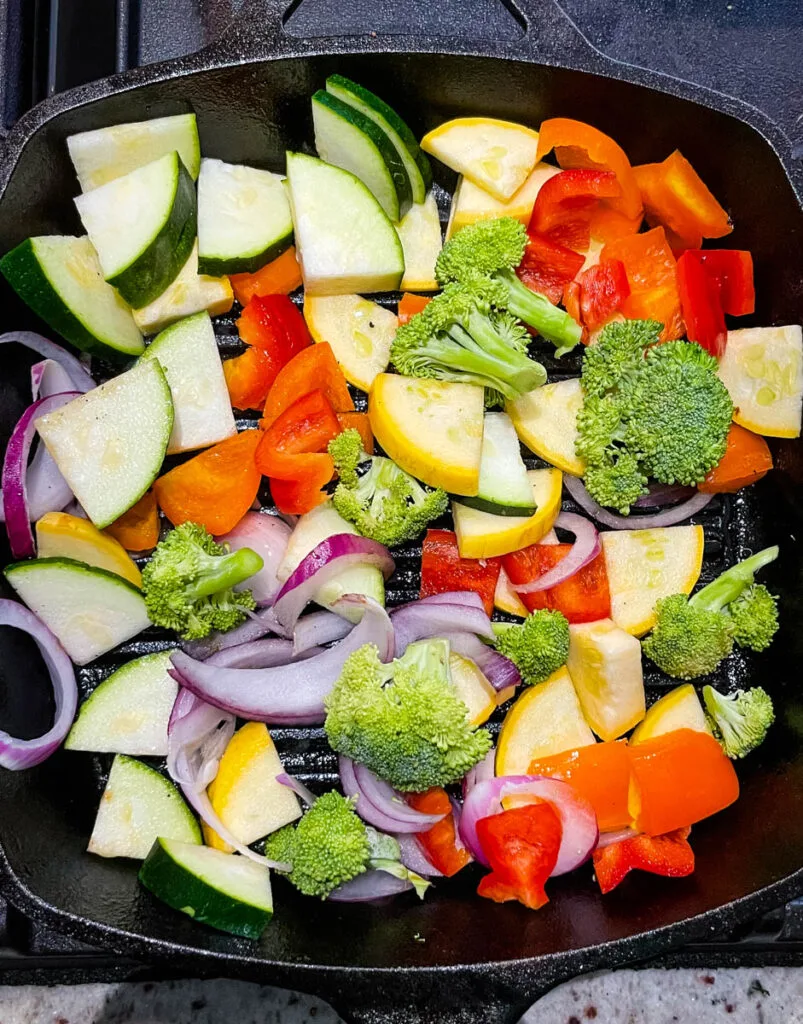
x=537, y=312
x=461, y=352
x=726, y=588
x=221, y=572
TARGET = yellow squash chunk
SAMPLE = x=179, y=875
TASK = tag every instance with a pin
x=484, y=535
x=646, y=565
x=545, y=720
x=605, y=665
x=248, y=799
x=470, y=203
x=60, y=535
x=431, y=428
x=420, y=234
x=546, y=422
x=678, y=709
x=495, y=155
x=506, y=599
x=472, y=688
x=359, y=331
x=190, y=293
x=762, y=368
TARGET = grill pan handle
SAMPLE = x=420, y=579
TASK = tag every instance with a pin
x=537, y=29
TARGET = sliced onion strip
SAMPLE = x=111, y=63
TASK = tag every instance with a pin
x=79, y=375
x=584, y=550
x=499, y=670
x=421, y=620
x=317, y=628
x=672, y=516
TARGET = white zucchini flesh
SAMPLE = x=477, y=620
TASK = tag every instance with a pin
x=139, y=806
x=110, y=443
x=190, y=293
x=103, y=154
x=504, y=487
x=129, y=711
x=89, y=610
x=187, y=352
x=420, y=234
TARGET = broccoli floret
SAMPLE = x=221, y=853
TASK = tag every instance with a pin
x=648, y=410
x=404, y=721
x=538, y=646
x=493, y=249
x=740, y=720
x=330, y=845
x=384, y=503
x=188, y=583
x=755, y=617
x=693, y=635
x=465, y=335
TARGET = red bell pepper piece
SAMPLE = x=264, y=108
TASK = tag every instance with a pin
x=733, y=271
x=306, y=427
x=564, y=205
x=701, y=304
x=669, y=856
x=677, y=779
x=584, y=597
x=603, y=291
x=313, y=368
x=548, y=267
x=522, y=847
x=652, y=277
x=675, y=196
x=599, y=772
x=443, y=570
x=438, y=843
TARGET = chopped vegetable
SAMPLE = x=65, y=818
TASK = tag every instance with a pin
x=313, y=368
x=652, y=278
x=678, y=709
x=603, y=292
x=420, y=234
x=403, y=720
x=599, y=773
x=605, y=665
x=189, y=293
x=188, y=583
x=359, y=331
x=548, y=267
x=522, y=847
x=583, y=598
x=546, y=422
x=215, y=488
x=383, y=502
x=470, y=203
x=538, y=646
x=693, y=635
x=439, y=843
x=747, y=459
x=360, y=422
x=444, y=571
x=410, y=304
x=668, y=855
x=60, y=535
x=713, y=283
x=565, y=204
x=138, y=528
x=279, y=277
x=740, y=720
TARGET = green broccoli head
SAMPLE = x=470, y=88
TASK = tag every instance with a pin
x=740, y=721
x=538, y=646
x=482, y=249
x=188, y=583
x=385, y=503
x=404, y=721
x=754, y=615
x=328, y=846
x=687, y=642
x=617, y=353
x=616, y=480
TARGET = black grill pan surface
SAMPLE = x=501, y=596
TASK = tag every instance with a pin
x=453, y=957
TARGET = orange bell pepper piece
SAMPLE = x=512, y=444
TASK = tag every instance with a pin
x=138, y=528
x=677, y=779
x=746, y=460
x=600, y=773
x=215, y=488
x=522, y=847
x=439, y=842
x=675, y=195
x=358, y=421
x=409, y=305
x=249, y=377
x=298, y=438
x=302, y=495
x=313, y=368
x=669, y=856
x=583, y=598
x=651, y=270
x=279, y=277
x=577, y=144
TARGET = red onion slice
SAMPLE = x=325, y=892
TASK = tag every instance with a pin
x=16, y=754
x=370, y=885
x=15, y=474
x=268, y=536
x=500, y=671
x=292, y=692
x=317, y=628
x=413, y=857
x=586, y=547
x=79, y=375
x=197, y=735
x=577, y=818
x=326, y=561
x=611, y=838
x=254, y=628
x=366, y=810
x=259, y=654
x=481, y=772
x=672, y=516
x=383, y=799
x=297, y=787
x=664, y=494
x=51, y=378
x=421, y=620
x=467, y=597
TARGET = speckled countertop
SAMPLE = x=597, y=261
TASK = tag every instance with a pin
x=771, y=995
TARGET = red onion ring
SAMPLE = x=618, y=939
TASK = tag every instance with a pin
x=268, y=536
x=317, y=628
x=577, y=489
x=259, y=654
x=289, y=693
x=500, y=671
x=297, y=787
x=611, y=838
x=16, y=754
x=79, y=375
x=577, y=818
x=380, y=805
x=197, y=735
x=481, y=772
x=370, y=885
x=327, y=560
x=586, y=547
x=15, y=474
x=413, y=857
x=664, y=494
x=255, y=626
x=420, y=620
x=466, y=597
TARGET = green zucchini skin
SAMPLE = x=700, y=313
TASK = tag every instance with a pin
x=244, y=264
x=484, y=505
